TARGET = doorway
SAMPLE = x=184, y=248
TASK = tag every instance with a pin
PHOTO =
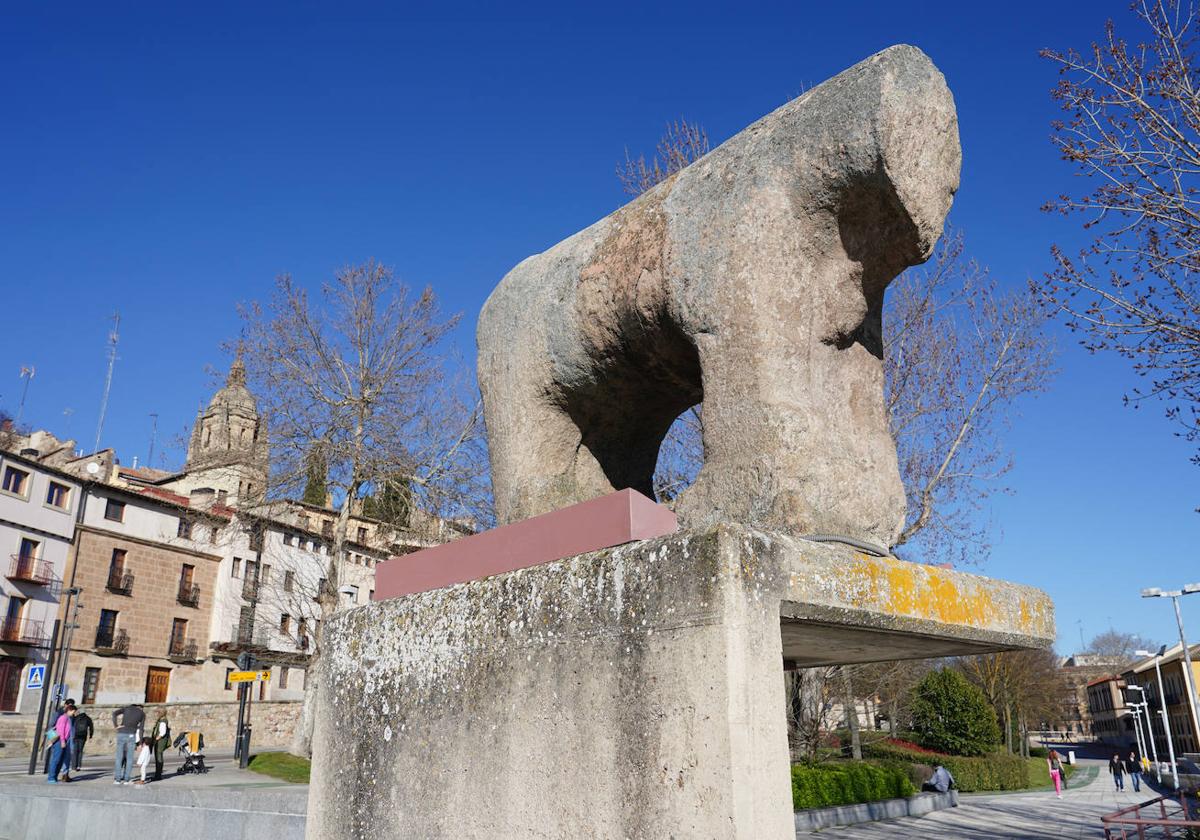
x=157, y=681
x=10, y=682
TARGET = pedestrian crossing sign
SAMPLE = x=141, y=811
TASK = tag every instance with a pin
x=37, y=676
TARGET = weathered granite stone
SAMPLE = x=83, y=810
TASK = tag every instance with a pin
x=634, y=693
x=753, y=281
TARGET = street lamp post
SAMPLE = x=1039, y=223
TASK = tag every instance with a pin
x=1188, y=682
x=1162, y=701
x=1149, y=718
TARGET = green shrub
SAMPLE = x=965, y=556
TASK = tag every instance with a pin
x=1039, y=752
x=952, y=716
x=999, y=771
x=846, y=783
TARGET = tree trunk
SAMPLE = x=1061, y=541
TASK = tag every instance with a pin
x=328, y=601
x=894, y=717
x=851, y=716
x=1008, y=739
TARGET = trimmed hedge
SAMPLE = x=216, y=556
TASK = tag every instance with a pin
x=825, y=785
x=999, y=771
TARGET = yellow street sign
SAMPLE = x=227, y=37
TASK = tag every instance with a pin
x=249, y=676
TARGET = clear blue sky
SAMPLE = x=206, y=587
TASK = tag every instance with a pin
x=170, y=164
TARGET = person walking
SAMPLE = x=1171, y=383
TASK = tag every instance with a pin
x=1054, y=763
x=161, y=736
x=1117, y=768
x=70, y=745
x=129, y=732
x=1134, y=768
x=84, y=729
x=63, y=732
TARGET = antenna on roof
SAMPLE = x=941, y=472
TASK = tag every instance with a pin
x=112, y=360
x=27, y=372
x=153, y=438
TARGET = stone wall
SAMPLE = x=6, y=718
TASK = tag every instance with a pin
x=273, y=722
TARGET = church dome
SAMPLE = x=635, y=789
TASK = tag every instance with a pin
x=235, y=395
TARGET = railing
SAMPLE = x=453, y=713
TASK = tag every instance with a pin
x=247, y=635
x=112, y=642
x=182, y=650
x=22, y=631
x=1166, y=816
x=31, y=570
x=189, y=594
x=120, y=583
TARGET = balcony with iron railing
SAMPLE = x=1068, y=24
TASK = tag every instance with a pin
x=23, y=631
x=26, y=569
x=249, y=636
x=182, y=650
x=120, y=582
x=112, y=642
x=188, y=595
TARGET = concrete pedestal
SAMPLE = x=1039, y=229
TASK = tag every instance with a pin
x=634, y=692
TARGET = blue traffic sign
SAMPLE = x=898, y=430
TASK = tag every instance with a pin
x=37, y=676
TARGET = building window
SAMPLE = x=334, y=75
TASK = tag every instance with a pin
x=106, y=630
x=57, y=495
x=28, y=550
x=178, y=636
x=265, y=575
x=362, y=535
x=212, y=534
x=327, y=529
x=91, y=683
x=15, y=481
x=114, y=511
x=236, y=571
x=285, y=624
x=289, y=581
x=184, y=530
x=289, y=539
x=283, y=675
x=228, y=684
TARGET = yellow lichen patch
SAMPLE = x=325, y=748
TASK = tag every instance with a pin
x=906, y=589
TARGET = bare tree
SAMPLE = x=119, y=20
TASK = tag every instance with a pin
x=1132, y=128
x=959, y=353
x=1119, y=647
x=680, y=145
x=356, y=381
x=1026, y=688
x=810, y=702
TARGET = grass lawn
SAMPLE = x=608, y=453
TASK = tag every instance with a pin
x=281, y=765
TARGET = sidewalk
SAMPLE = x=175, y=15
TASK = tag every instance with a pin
x=1013, y=816
x=226, y=803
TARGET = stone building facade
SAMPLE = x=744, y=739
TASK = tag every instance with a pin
x=177, y=572
x=146, y=596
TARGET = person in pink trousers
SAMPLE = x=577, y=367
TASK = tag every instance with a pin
x=1054, y=762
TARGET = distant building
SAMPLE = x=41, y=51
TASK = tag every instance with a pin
x=1176, y=690
x=1078, y=671
x=1110, y=718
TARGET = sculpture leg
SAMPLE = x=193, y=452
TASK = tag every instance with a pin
x=795, y=435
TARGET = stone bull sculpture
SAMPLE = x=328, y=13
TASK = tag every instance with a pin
x=753, y=282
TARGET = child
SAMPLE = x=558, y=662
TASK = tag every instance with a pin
x=142, y=758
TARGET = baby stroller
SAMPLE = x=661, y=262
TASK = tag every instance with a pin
x=191, y=747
